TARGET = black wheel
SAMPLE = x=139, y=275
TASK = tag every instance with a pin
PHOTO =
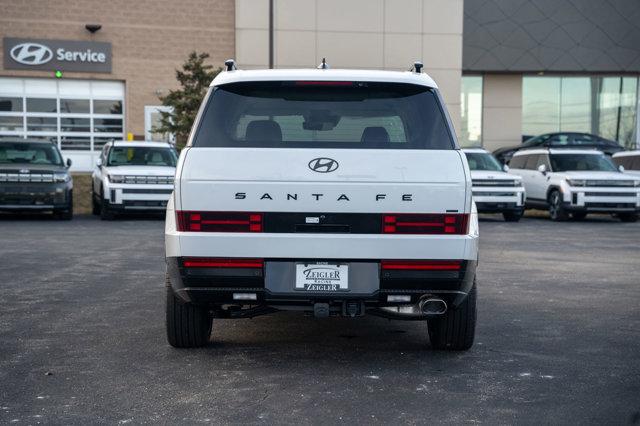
x=455, y=329
x=578, y=215
x=556, y=210
x=628, y=217
x=188, y=326
x=95, y=206
x=512, y=216
x=105, y=212
x=66, y=214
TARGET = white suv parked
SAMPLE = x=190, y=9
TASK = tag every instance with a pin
x=337, y=192
x=629, y=160
x=494, y=190
x=576, y=182
x=133, y=177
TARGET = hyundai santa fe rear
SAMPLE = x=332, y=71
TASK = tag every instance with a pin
x=331, y=192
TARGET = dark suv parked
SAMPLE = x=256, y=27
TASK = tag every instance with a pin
x=33, y=177
x=560, y=140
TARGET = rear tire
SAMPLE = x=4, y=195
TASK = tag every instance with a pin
x=188, y=325
x=556, y=209
x=628, y=217
x=455, y=329
x=512, y=216
x=105, y=212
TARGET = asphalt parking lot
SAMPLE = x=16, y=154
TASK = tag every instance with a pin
x=82, y=338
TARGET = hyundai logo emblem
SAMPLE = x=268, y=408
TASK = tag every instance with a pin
x=31, y=54
x=323, y=165
x=24, y=171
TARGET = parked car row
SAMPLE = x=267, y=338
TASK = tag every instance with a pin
x=560, y=140
x=129, y=177
x=567, y=182
x=138, y=176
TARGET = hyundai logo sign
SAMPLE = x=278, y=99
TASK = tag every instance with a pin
x=31, y=54
x=56, y=55
x=323, y=165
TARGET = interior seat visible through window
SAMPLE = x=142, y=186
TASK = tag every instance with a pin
x=264, y=130
x=375, y=134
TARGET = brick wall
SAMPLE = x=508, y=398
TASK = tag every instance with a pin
x=150, y=39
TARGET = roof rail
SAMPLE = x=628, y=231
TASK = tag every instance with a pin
x=230, y=65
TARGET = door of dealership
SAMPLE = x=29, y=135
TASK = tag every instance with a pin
x=78, y=115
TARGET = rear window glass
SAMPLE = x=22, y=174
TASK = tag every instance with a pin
x=142, y=156
x=518, y=162
x=581, y=162
x=483, y=161
x=323, y=115
x=29, y=153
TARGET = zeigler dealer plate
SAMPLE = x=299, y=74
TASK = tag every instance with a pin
x=322, y=277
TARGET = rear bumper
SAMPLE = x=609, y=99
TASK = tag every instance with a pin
x=133, y=197
x=216, y=287
x=603, y=200
x=499, y=199
x=34, y=196
x=498, y=207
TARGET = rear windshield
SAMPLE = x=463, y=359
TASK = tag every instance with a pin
x=141, y=156
x=323, y=115
x=581, y=162
x=483, y=161
x=29, y=153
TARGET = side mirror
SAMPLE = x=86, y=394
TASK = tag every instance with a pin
x=69, y=162
x=621, y=168
x=505, y=168
x=542, y=168
x=99, y=162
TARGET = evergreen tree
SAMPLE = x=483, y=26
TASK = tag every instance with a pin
x=194, y=78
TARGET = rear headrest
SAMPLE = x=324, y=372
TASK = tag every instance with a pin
x=375, y=134
x=264, y=130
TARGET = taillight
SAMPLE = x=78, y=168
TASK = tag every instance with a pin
x=197, y=221
x=217, y=262
x=324, y=83
x=422, y=265
x=448, y=223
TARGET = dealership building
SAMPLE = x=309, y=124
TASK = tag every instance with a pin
x=83, y=73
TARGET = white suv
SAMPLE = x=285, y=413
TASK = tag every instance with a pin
x=133, y=177
x=494, y=190
x=576, y=182
x=336, y=192
x=629, y=160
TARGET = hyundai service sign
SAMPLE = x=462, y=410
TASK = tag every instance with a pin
x=63, y=55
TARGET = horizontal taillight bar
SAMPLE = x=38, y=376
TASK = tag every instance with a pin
x=324, y=83
x=215, y=262
x=422, y=265
x=447, y=223
x=199, y=221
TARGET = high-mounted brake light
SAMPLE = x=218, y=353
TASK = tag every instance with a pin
x=216, y=262
x=324, y=83
x=448, y=223
x=422, y=265
x=198, y=221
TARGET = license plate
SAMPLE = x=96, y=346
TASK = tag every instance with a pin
x=322, y=277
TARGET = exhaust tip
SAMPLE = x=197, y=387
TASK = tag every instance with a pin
x=432, y=306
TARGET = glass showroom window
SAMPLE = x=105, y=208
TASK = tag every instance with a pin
x=471, y=107
x=602, y=105
x=78, y=115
